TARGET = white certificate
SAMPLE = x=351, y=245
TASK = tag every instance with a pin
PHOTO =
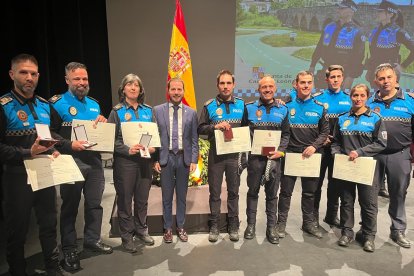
x=132, y=132
x=296, y=165
x=43, y=171
x=361, y=171
x=265, y=138
x=239, y=143
x=103, y=134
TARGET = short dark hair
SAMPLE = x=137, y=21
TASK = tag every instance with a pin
x=224, y=72
x=71, y=66
x=130, y=78
x=175, y=79
x=303, y=73
x=333, y=68
x=383, y=67
x=23, y=57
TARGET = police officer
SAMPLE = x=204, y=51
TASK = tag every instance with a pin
x=265, y=114
x=223, y=112
x=385, y=41
x=75, y=104
x=132, y=173
x=359, y=132
x=397, y=111
x=20, y=109
x=341, y=42
x=309, y=130
x=335, y=101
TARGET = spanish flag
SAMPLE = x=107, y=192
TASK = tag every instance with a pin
x=179, y=64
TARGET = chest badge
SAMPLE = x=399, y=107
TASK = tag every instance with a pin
x=292, y=112
x=73, y=111
x=127, y=116
x=347, y=123
x=259, y=114
x=219, y=112
x=377, y=109
x=22, y=115
x=326, y=105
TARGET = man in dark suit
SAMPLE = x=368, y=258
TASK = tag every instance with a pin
x=178, y=155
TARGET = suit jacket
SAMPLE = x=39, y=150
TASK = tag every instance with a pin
x=189, y=128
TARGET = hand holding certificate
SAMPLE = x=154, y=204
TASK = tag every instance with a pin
x=132, y=132
x=265, y=139
x=102, y=134
x=239, y=143
x=297, y=165
x=44, y=171
x=361, y=170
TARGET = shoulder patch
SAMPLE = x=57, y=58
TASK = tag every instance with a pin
x=146, y=105
x=318, y=103
x=117, y=107
x=240, y=99
x=316, y=94
x=5, y=100
x=55, y=98
x=411, y=94
x=41, y=99
x=208, y=102
x=252, y=102
x=92, y=99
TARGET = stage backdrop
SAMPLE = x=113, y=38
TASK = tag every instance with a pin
x=279, y=37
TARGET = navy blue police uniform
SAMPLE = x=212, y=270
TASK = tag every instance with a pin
x=261, y=116
x=366, y=134
x=214, y=112
x=308, y=127
x=335, y=103
x=132, y=173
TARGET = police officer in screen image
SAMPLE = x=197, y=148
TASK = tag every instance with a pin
x=309, y=129
x=341, y=42
x=223, y=112
x=397, y=111
x=385, y=41
x=265, y=114
x=76, y=104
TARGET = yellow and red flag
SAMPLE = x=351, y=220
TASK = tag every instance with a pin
x=179, y=64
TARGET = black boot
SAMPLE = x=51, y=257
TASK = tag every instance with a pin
x=70, y=261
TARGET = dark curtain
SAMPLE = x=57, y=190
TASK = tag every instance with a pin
x=57, y=32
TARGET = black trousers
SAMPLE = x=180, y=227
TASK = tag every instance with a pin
x=92, y=188
x=217, y=166
x=255, y=171
x=132, y=179
x=333, y=192
x=309, y=187
x=19, y=199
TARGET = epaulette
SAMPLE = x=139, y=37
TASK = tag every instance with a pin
x=5, y=100
x=41, y=99
x=318, y=102
x=93, y=99
x=375, y=112
x=252, y=102
x=117, y=107
x=147, y=105
x=411, y=95
x=316, y=94
x=346, y=92
x=55, y=98
x=208, y=102
x=238, y=98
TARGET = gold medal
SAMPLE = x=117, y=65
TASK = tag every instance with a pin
x=73, y=111
x=22, y=115
x=127, y=116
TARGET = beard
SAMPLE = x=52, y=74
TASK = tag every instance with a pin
x=27, y=91
x=79, y=91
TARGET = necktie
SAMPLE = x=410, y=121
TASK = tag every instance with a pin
x=174, y=142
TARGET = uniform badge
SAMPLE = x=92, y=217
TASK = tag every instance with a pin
x=22, y=115
x=127, y=116
x=73, y=111
x=326, y=105
x=377, y=109
x=219, y=112
x=259, y=114
x=347, y=123
x=292, y=112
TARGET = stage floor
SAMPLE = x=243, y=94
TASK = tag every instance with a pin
x=297, y=254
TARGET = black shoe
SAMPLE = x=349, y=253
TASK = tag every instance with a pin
x=146, y=238
x=384, y=193
x=332, y=223
x=70, y=261
x=56, y=271
x=281, y=229
x=129, y=246
x=344, y=241
x=312, y=229
x=271, y=235
x=233, y=233
x=99, y=247
x=400, y=239
x=250, y=231
x=213, y=234
x=369, y=246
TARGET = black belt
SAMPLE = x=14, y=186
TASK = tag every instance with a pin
x=178, y=152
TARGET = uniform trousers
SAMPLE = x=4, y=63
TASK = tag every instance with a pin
x=333, y=193
x=19, y=199
x=217, y=166
x=92, y=188
x=397, y=168
x=255, y=171
x=174, y=176
x=309, y=187
x=132, y=179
